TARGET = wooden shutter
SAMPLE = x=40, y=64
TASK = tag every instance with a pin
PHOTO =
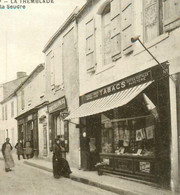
x=52, y=70
x=171, y=14
x=115, y=29
x=2, y=113
x=151, y=19
x=90, y=45
x=22, y=100
x=127, y=30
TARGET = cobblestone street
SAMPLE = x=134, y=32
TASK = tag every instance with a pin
x=24, y=180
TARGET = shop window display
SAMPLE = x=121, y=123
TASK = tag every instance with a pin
x=134, y=136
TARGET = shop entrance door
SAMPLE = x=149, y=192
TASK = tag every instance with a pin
x=93, y=131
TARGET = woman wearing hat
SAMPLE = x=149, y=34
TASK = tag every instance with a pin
x=60, y=165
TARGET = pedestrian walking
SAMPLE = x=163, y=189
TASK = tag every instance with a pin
x=8, y=159
x=28, y=149
x=20, y=151
x=60, y=165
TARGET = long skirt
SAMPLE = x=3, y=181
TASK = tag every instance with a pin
x=60, y=167
x=9, y=162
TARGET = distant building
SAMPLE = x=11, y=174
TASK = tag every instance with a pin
x=62, y=86
x=8, y=107
x=32, y=121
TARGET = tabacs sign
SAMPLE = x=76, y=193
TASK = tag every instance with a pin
x=118, y=86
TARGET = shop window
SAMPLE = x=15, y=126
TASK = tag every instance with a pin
x=152, y=24
x=130, y=136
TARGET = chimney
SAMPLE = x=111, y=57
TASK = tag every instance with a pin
x=21, y=74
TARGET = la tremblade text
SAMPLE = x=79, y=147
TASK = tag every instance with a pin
x=14, y=5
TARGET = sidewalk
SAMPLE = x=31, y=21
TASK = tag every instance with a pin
x=109, y=183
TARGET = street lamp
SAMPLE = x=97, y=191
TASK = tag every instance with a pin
x=136, y=38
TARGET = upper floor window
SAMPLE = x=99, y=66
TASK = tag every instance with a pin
x=56, y=69
x=22, y=100
x=152, y=19
x=6, y=112
x=106, y=33
x=2, y=113
x=12, y=109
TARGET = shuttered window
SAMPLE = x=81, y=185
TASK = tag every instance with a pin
x=2, y=113
x=52, y=69
x=106, y=33
x=6, y=112
x=115, y=29
x=151, y=19
x=127, y=27
x=171, y=14
x=90, y=45
x=12, y=109
x=58, y=80
x=22, y=100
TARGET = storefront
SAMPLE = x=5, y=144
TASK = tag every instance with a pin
x=126, y=127
x=57, y=126
x=28, y=130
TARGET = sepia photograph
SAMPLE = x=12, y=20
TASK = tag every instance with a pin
x=89, y=97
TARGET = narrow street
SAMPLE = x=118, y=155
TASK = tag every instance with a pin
x=25, y=180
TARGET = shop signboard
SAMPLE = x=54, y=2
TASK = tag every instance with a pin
x=118, y=86
x=57, y=105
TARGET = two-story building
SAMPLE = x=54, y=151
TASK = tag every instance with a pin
x=8, y=105
x=128, y=110
x=32, y=112
x=62, y=86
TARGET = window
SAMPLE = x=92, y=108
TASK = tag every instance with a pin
x=12, y=109
x=131, y=136
x=22, y=100
x=106, y=30
x=171, y=14
x=6, y=114
x=2, y=113
x=58, y=80
x=151, y=19
x=52, y=70
x=90, y=46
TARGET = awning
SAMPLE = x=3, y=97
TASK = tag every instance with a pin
x=109, y=102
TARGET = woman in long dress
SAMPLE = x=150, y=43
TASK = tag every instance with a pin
x=60, y=165
x=8, y=159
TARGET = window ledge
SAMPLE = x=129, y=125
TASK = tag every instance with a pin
x=152, y=43
x=104, y=68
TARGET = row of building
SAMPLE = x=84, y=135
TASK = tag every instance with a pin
x=109, y=98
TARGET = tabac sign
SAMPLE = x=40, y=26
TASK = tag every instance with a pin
x=57, y=105
x=118, y=86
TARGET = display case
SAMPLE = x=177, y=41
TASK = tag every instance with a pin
x=128, y=147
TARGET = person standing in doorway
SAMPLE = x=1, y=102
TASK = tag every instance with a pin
x=8, y=159
x=19, y=147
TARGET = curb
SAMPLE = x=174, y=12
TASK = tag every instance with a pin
x=86, y=181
